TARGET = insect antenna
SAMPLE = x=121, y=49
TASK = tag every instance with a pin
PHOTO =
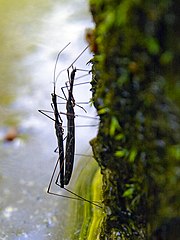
x=55, y=66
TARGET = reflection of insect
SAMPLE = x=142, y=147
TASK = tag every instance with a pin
x=66, y=164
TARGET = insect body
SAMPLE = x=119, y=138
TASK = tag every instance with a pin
x=70, y=141
x=58, y=125
x=65, y=161
x=59, y=133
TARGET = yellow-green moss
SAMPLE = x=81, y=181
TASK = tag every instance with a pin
x=85, y=218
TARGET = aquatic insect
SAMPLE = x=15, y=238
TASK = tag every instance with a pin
x=70, y=104
x=65, y=163
x=70, y=140
x=58, y=123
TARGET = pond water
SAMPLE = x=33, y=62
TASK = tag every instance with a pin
x=32, y=33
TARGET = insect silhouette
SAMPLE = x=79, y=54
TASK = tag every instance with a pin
x=65, y=161
x=58, y=122
x=70, y=140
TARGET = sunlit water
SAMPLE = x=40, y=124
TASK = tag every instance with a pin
x=32, y=35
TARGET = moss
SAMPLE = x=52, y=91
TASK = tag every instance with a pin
x=87, y=217
x=139, y=125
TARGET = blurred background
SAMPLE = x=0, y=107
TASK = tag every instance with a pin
x=32, y=33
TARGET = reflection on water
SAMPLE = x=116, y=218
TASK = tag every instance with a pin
x=31, y=35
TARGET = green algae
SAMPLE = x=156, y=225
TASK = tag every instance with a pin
x=85, y=219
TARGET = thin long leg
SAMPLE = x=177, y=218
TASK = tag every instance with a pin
x=60, y=195
x=67, y=114
x=50, y=183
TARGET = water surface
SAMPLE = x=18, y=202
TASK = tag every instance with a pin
x=31, y=35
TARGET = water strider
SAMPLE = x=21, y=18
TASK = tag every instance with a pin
x=58, y=124
x=65, y=163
